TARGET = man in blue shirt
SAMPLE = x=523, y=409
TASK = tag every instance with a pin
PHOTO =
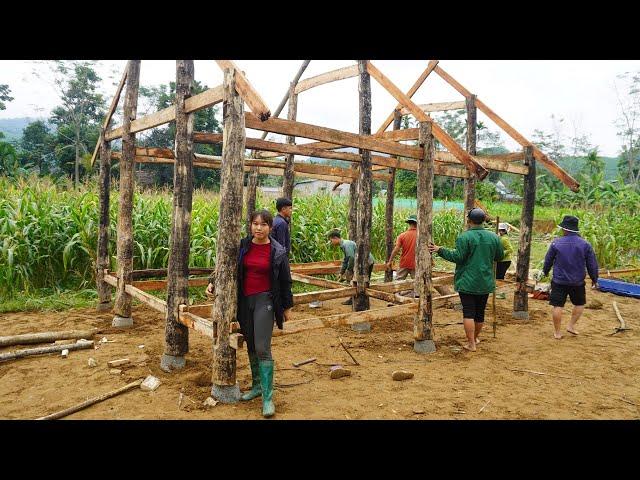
x=281, y=223
x=569, y=255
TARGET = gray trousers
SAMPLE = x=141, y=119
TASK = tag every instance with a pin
x=256, y=317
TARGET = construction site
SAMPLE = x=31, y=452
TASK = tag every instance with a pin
x=397, y=356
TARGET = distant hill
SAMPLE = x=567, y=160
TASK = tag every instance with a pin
x=573, y=166
x=12, y=127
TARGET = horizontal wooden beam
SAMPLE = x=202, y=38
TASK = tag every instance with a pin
x=149, y=300
x=437, y=107
x=147, y=285
x=304, y=298
x=197, y=323
x=337, y=137
x=197, y=102
x=328, y=77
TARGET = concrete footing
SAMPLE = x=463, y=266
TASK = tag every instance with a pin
x=171, y=362
x=361, y=327
x=122, y=322
x=226, y=393
x=104, y=307
x=520, y=315
x=424, y=346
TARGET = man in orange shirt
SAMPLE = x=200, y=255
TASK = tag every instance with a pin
x=407, y=242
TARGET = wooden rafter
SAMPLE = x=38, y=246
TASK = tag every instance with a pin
x=332, y=76
x=414, y=88
x=249, y=94
x=110, y=112
x=552, y=166
x=437, y=107
x=442, y=136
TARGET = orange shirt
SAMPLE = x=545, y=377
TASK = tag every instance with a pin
x=407, y=241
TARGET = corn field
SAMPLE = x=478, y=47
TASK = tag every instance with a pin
x=48, y=232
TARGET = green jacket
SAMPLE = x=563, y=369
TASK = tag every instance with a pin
x=476, y=250
x=508, y=248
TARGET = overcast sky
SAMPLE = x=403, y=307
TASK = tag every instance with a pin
x=525, y=93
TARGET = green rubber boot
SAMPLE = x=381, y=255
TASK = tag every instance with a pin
x=256, y=389
x=266, y=380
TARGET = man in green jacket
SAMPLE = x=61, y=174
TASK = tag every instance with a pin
x=476, y=250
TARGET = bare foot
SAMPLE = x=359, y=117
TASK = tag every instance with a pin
x=471, y=348
x=572, y=331
x=557, y=336
x=477, y=341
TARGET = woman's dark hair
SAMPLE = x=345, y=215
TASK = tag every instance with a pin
x=265, y=215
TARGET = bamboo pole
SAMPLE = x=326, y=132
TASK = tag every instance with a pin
x=388, y=212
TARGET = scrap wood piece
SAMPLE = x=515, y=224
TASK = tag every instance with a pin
x=347, y=350
x=623, y=325
x=45, y=337
x=539, y=373
x=42, y=350
x=484, y=406
x=92, y=401
x=304, y=362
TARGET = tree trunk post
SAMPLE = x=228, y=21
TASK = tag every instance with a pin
x=252, y=185
x=423, y=321
x=122, y=306
x=472, y=136
x=176, y=335
x=353, y=208
x=102, y=257
x=289, y=175
x=520, y=297
x=361, y=277
x=388, y=212
x=225, y=306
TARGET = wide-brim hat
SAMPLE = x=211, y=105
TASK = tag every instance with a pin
x=503, y=226
x=334, y=232
x=569, y=223
x=412, y=218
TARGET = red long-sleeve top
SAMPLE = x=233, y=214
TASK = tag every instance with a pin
x=257, y=268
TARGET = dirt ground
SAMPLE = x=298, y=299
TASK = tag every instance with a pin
x=591, y=376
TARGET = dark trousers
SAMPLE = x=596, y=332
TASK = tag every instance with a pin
x=502, y=269
x=256, y=317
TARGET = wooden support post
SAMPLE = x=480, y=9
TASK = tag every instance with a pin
x=470, y=182
x=289, y=176
x=353, y=209
x=423, y=321
x=365, y=210
x=252, y=185
x=102, y=257
x=520, y=297
x=176, y=334
x=225, y=305
x=122, y=306
x=388, y=212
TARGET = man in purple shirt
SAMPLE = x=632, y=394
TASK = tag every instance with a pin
x=569, y=255
x=280, y=231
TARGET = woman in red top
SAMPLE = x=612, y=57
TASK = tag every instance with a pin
x=264, y=295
